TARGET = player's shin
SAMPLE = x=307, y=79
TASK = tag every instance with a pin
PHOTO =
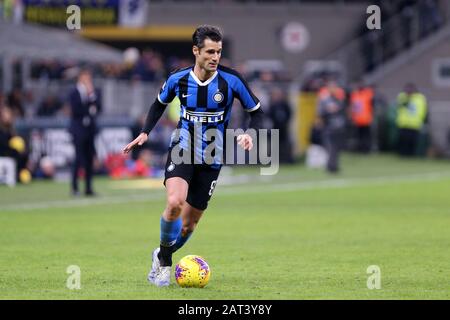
x=169, y=233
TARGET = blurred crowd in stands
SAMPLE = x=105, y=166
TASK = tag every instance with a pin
x=404, y=22
x=148, y=66
x=359, y=118
x=350, y=116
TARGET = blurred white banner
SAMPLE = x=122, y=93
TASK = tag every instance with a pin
x=133, y=13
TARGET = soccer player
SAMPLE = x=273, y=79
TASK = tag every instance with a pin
x=206, y=91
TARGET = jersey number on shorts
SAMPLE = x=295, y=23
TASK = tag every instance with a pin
x=213, y=185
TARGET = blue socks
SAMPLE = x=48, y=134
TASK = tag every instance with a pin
x=169, y=234
x=170, y=231
x=171, y=239
x=181, y=240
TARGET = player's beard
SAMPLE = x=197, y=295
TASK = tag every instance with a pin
x=211, y=68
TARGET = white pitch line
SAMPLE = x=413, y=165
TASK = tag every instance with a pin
x=82, y=202
x=230, y=189
x=338, y=183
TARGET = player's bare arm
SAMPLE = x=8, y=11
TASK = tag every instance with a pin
x=140, y=140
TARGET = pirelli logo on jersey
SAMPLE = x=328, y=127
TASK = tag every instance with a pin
x=204, y=117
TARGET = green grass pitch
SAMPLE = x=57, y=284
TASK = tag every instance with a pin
x=301, y=234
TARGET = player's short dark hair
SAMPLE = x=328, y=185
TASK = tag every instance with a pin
x=206, y=31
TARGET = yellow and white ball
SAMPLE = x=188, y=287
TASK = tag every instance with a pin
x=192, y=272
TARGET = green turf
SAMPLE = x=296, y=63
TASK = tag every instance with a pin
x=301, y=234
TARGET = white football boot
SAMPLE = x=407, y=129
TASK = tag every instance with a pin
x=162, y=276
x=155, y=265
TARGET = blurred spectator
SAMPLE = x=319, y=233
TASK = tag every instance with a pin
x=130, y=60
x=361, y=114
x=49, y=69
x=15, y=102
x=313, y=84
x=332, y=118
x=149, y=67
x=380, y=127
x=46, y=168
x=28, y=103
x=266, y=76
x=49, y=107
x=332, y=88
x=280, y=114
x=316, y=155
x=85, y=106
x=412, y=114
x=12, y=145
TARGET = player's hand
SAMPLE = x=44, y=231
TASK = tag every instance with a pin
x=140, y=140
x=245, y=141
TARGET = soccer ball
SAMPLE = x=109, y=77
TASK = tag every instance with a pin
x=192, y=272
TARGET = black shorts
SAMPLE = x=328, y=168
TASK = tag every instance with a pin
x=201, y=178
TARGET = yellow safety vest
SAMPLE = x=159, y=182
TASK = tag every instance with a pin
x=411, y=112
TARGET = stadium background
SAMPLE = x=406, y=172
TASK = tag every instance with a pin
x=292, y=46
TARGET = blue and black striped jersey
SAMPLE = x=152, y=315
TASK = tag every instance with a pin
x=206, y=103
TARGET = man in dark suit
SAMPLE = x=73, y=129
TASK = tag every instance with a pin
x=85, y=106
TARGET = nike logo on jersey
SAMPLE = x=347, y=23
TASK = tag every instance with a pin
x=186, y=95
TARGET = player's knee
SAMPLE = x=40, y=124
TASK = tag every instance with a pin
x=174, y=205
